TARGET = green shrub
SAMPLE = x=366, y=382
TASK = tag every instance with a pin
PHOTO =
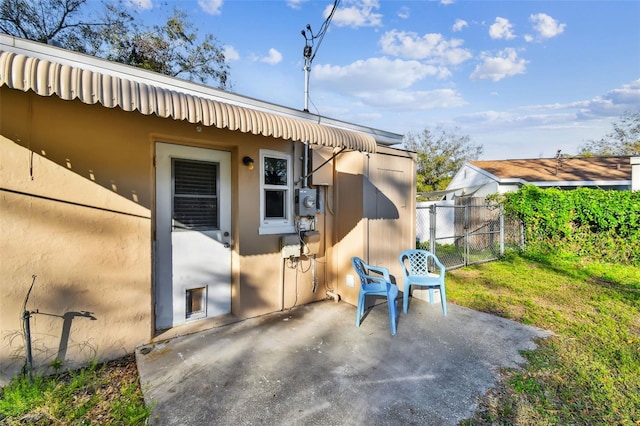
x=593, y=224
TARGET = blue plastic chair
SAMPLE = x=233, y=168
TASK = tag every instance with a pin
x=415, y=268
x=378, y=285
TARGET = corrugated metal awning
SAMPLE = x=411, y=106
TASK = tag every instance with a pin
x=68, y=82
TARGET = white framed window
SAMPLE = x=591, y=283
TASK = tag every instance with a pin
x=276, y=193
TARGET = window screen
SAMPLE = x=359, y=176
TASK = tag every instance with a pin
x=195, y=195
x=275, y=204
x=276, y=192
x=276, y=172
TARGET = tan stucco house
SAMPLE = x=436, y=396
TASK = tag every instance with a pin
x=142, y=207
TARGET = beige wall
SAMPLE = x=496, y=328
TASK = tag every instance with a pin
x=76, y=209
x=89, y=250
x=375, y=214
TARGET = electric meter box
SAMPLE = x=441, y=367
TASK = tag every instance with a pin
x=305, y=202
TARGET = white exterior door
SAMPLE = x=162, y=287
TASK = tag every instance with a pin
x=193, y=234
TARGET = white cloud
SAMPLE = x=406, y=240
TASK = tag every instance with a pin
x=404, y=12
x=546, y=26
x=141, y=4
x=274, y=57
x=413, y=100
x=552, y=126
x=489, y=116
x=446, y=2
x=614, y=102
x=559, y=116
x=212, y=7
x=374, y=74
x=628, y=94
x=501, y=28
x=430, y=47
x=295, y=4
x=230, y=53
x=505, y=64
x=459, y=25
x=356, y=13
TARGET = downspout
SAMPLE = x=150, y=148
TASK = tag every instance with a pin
x=305, y=166
x=366, y=201
x=282, y=267
x=335, y=273
x=331, y=293
x=283, y=263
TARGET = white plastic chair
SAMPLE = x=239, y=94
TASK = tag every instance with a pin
x=415, y=269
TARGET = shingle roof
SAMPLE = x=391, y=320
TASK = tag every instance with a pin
x=575, y=169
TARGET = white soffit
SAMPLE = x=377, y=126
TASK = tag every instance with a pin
x=68, y=82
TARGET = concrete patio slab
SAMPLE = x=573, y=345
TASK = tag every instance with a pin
x=313, y=366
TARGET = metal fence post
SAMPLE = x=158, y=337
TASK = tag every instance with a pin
x=466, y=236
x=432, y=228
x=501, y=230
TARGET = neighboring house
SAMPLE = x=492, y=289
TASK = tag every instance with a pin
x=482, y=178
x=146, y=207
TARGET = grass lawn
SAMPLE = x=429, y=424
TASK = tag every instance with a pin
x=101, y=394
x=589, y=373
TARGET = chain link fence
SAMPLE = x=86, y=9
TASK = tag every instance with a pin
x=466, y=231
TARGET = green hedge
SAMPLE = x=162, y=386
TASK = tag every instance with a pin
x=590, y=223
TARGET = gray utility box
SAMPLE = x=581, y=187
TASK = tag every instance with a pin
x=306, y=202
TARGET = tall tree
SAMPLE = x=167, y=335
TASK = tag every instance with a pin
x=623, y=140
x=63, y=23
x=173, y=49
x=113, y=33
x=441, y=153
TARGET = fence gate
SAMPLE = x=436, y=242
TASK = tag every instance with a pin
x=467, y=232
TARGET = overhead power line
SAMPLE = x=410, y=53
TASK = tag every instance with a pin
x=311, y=46
x=311, y=38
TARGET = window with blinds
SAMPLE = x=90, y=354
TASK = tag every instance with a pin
x=195, y=195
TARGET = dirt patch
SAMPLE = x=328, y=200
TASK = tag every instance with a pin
x=114, y=375
x=466, y=273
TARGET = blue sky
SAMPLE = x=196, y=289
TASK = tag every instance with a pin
x=521, y=78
